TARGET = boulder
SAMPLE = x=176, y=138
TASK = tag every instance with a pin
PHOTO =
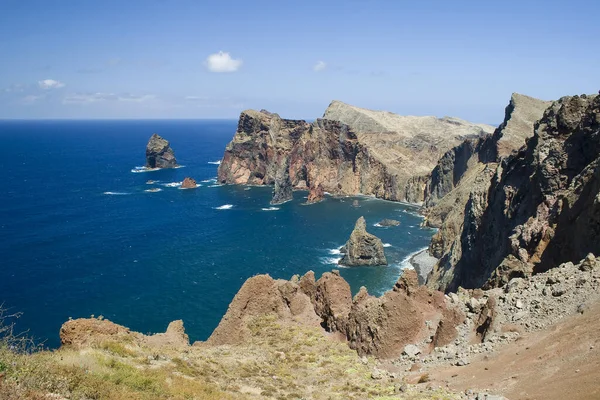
x=159, y=153
x=363, y=248
x=189, y=183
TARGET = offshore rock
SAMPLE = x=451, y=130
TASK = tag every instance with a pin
x=389, y=222
x=363, y=248
x=189, y=183
x=542, y=207
x=159, y=153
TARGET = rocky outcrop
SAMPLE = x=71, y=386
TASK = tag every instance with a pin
x=380, y=326
x=189, y=183
x=386, y=222
x=542, y=206
x=316, y=194
x=282, y=190
x=344, y=158
x=159, y=153
x=363, y=248
x=84, y=332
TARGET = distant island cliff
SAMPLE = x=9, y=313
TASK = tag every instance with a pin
x=349, y=151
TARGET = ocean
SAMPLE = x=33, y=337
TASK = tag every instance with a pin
x=81, y=235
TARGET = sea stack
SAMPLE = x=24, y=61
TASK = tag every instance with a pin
x=159, y=153
x=282, y=192
x=363, y=248
x=189, y=183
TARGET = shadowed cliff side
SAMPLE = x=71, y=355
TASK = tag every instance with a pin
x=542, y=206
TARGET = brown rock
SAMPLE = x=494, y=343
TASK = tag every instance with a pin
x=486, y=321
x=333, y=300
x=363, y=248
x=316, y=194
x=159, y=153
x=189, y=183
x=83, y=332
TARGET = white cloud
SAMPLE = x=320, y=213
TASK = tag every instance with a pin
x=30, y=99
x=50, y=84
x=320, y=66
x=87, y=98
x=222, y=62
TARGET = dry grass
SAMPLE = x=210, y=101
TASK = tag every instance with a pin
x=280, y=362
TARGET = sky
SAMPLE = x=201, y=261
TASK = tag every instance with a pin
x=212, y=59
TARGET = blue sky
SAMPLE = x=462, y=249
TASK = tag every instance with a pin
x=212, y=59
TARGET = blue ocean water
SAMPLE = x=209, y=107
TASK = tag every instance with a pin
x=80, y=235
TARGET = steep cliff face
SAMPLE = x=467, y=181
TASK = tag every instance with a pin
x=465, y=171
x=409, y=146
x=388, y=156
x=542, y=207
x=325, y=153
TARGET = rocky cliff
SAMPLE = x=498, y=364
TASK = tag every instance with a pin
x=159, y=153
x=541, y=208
x=349, y=151
x=465, y=171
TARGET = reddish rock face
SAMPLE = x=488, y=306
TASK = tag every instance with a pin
x=379, y=326
x=189, y=183
x=315, y=194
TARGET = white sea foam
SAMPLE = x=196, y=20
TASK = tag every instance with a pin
x=247, y=188
x=209, y=180
x=197, y=186
x=270, y=209
x=143, y=169
x=378, y=225
x=224, y=207
x=387, y=245
x=335, y=252
x=215, y=162
x=413, y=213
x=331, y=261
x=153, y=190
x=116, y=193
x=214, y=185
x=151, y=182
x=172, y=184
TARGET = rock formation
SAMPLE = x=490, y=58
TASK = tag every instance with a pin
x=159, y=153
x=379, y=326
x=84, y=332
x=363, y=248
x=389, y=222
x=542, y=206
x=282, y=190
x=189, y=183
x=389, y=157
x=315, y=194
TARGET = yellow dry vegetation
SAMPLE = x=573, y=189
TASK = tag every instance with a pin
x=279, y=362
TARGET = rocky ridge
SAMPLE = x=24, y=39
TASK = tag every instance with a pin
x=539, y=207
x=159, y=153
